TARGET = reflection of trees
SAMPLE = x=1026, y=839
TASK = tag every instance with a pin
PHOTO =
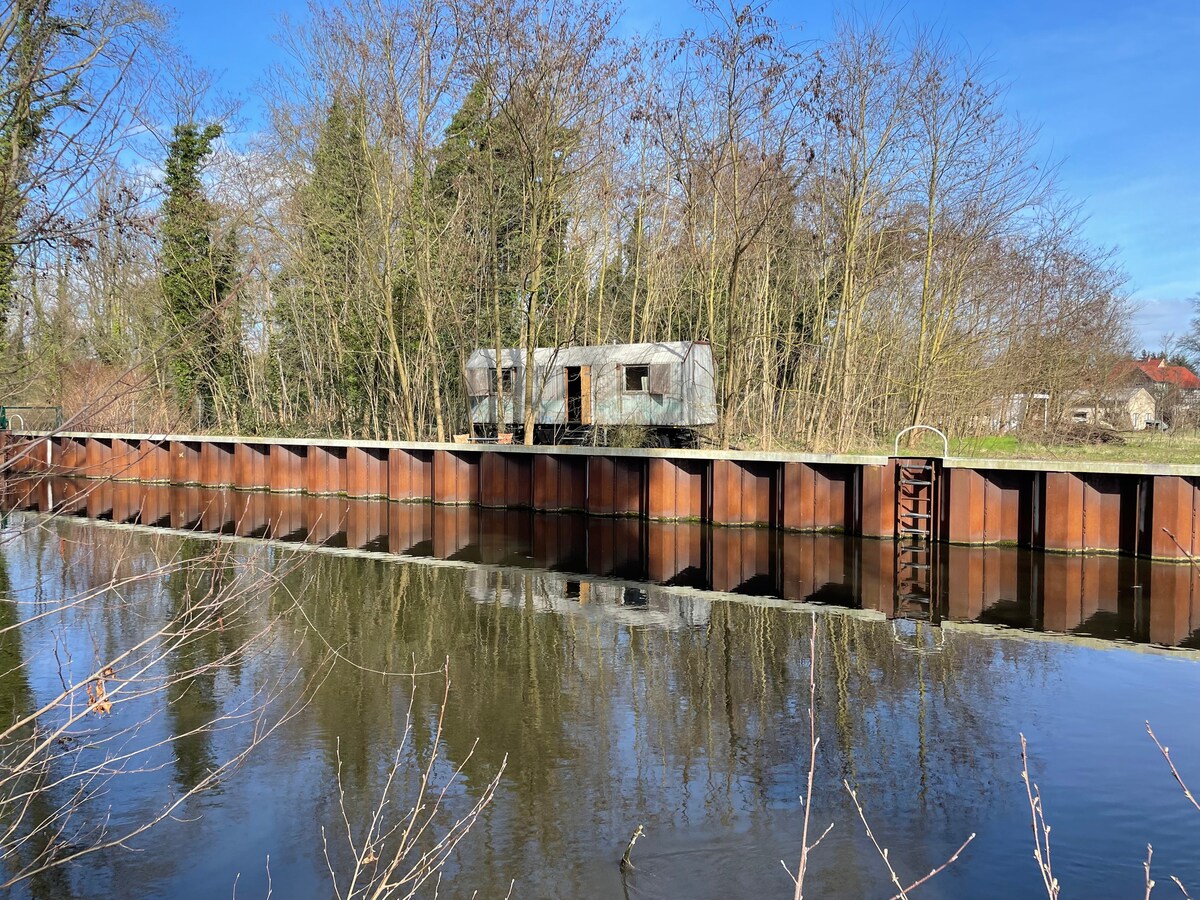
x=607, y=723
x=611, y=712
x=24, y=843
x=207, y=651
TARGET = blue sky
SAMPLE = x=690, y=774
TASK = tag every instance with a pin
x=1113, y=84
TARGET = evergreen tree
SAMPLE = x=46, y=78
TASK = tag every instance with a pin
x=326, y=283
x=198, y=273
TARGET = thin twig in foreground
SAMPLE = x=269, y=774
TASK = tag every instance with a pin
x=902, y=891
x=1167, y=756
x=813, y=742
x=1041, y=831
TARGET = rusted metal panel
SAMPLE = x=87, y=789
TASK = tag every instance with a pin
x=600, y=486
x=216, y=464
x=185, y=462
x=68, y=461
x=726, y=485
x=629, y=483
x=120, y=459
x=156, y=460
x=799, y=493
x=366, y=472
x=250, y=466
x=1005, y=499
x=877, y=489
x=36, y=455
x=357, y=478
x=138, y=450
x=675, y=488
x=56, y=455
x=1101, y=513
x=505, y=480
x=455, y=477
x=1172, y=517
x=315, y=471
x=965, y=506
x=79, y=456
x=286, y=467
x=743, y=493
x=572, y=483
x=822, y=499
x=545, y=482
x=243, y=466
x=325, y=470
x=445, y=481
x=520, y=482
x=97, y=455
x=337, y=469
x=839, y=511
x=410, y=474
x=661, y=489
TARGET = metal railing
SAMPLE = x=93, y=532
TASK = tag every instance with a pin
x=938, y=432
x=7, y=413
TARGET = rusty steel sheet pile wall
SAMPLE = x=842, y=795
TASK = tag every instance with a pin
x=997, y=584
x=1150, y=511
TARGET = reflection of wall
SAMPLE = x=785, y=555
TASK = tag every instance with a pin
x=546, y=592
x=1108, y=596
x=673, y=548
x=741, y=556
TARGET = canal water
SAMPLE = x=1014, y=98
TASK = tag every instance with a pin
x=614, y=673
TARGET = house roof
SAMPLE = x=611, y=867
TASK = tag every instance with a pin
x=598, y=355
x=1159, y=372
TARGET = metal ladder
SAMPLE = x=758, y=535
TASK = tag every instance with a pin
x=916, y=593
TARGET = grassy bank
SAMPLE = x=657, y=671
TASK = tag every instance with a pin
x=1148, y=447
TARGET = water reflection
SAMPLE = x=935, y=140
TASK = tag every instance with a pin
x=1107, y=597
x=617, y=701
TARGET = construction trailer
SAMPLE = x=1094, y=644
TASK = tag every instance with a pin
x=582, y=393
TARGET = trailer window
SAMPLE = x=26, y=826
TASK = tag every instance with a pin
x=637, y=379
x=508, y=374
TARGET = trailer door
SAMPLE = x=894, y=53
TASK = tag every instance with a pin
x=579, y=394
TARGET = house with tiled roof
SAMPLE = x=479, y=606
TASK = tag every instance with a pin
x=1155, y=372
x=1173, y=387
